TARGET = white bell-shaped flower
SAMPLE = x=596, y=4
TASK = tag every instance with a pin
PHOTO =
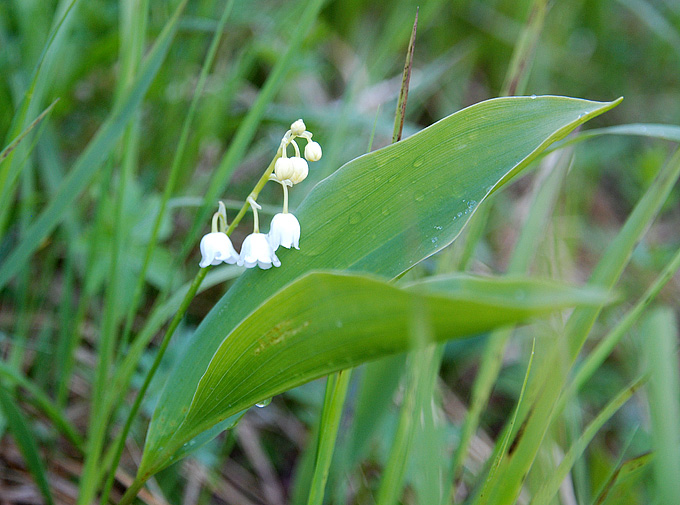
x=313, y=151
x=216, y=248
x=300, y=170
x=256, y=250
x=284, y=231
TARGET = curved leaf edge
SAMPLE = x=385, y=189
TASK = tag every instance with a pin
x=425, y=288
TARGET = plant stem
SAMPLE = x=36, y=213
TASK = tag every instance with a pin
x=132, y=491
x=254, y=193
x=147, y=380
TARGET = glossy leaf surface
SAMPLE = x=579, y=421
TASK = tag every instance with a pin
x=380, y=214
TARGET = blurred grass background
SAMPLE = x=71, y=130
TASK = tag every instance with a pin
x=343, y=79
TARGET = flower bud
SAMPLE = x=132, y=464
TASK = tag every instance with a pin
x=300, y=170
x=298, y=127
x=313, y=151
x=284, y=168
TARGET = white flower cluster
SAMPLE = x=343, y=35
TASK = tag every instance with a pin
x=259, y=249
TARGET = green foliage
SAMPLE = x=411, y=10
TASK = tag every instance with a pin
x=382, y=213
x=326, y=322
x=122, y=123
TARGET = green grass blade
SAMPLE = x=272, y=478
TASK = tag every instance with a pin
x=378, y=383
x=523, y=55
x=43, y=403
x=421, y=364
x=649, y=130
x=85, y=167
x=91, y=159
x=551, y=376
x=13, y=145
x=656, y=22
x=133, y=27
x=545, y=494
x=516, y=78
x=175, y=168
x=627, y=475
x=19, y=119
x=336, y=388
x=403, y=92
x=522, y=256
x=18, y=426
x=506, y=439
x=660, y=334
x=604, y=348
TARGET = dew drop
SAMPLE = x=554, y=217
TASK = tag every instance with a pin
x=355, y=218
x=419, y=196
x=418, y=162
x=385, y=211
x=437, y=227
x=263, y=403
x=434, y=240
x=460, y=214
x=471, y=204
x=533, y=97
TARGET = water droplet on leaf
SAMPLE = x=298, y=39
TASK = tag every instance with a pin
x=263, y=403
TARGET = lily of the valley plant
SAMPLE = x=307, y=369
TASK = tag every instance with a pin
x=259, y=249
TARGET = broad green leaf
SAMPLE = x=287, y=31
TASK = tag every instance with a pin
x=325, y=322
x=382, y=213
